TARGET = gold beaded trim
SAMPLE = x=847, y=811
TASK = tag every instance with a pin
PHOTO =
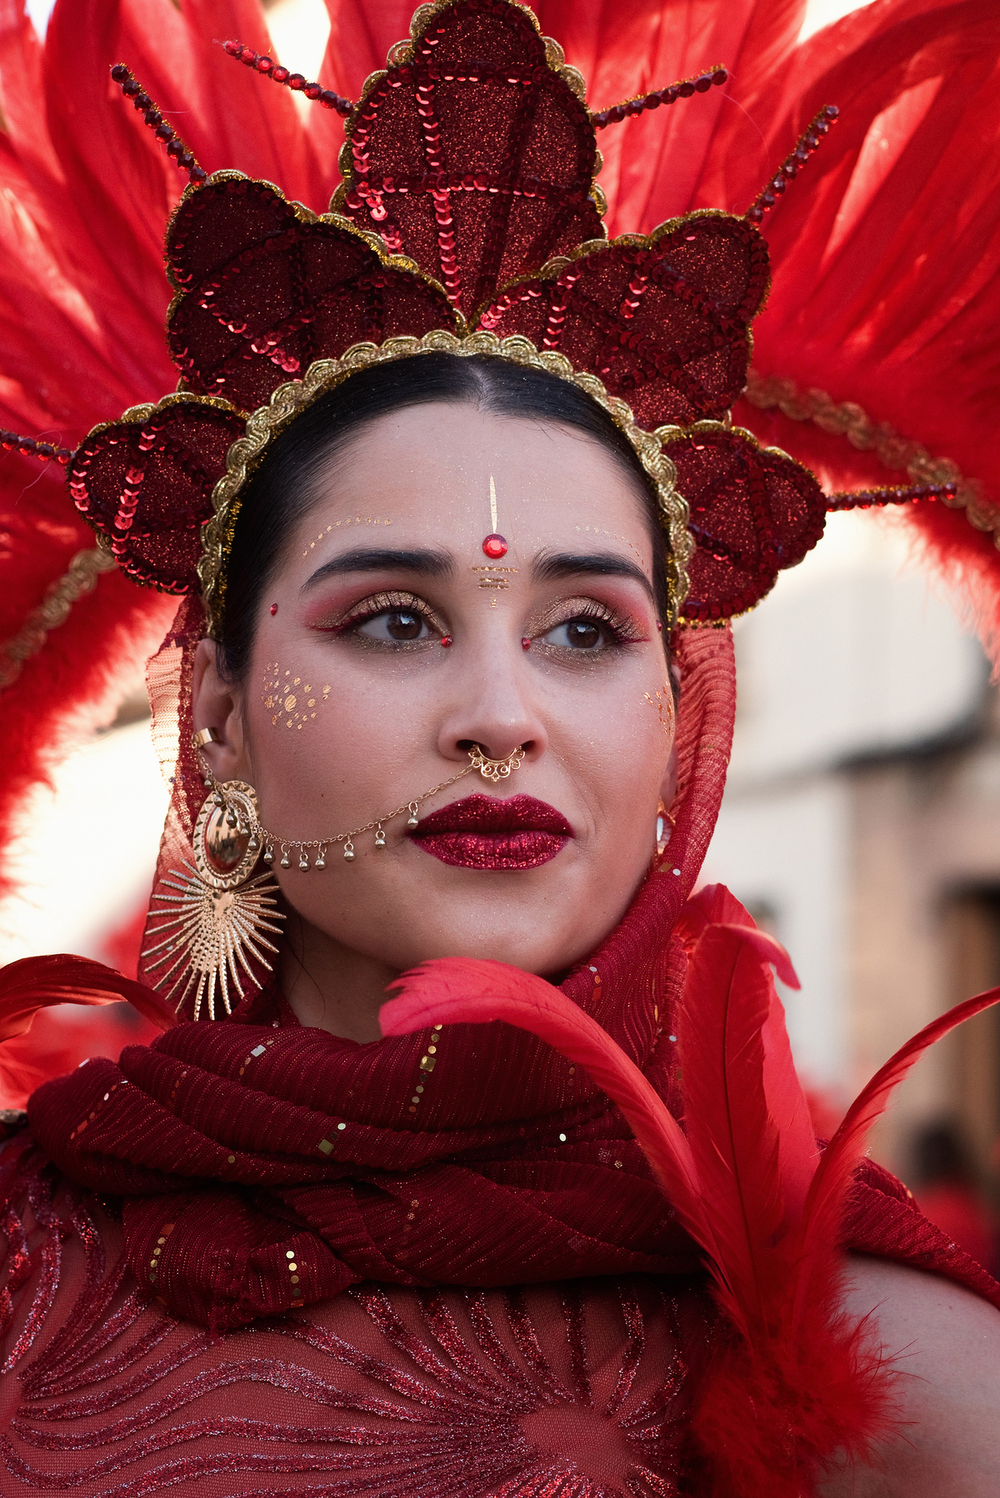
x=289, y=400
x=79, y=578
x=895, y=451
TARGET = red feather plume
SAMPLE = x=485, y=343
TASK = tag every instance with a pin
x=35, y=983
x=796, y=1381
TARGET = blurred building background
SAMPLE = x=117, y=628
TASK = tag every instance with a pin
x=861, y=825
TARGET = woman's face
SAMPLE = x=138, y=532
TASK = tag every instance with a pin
x=389, y=644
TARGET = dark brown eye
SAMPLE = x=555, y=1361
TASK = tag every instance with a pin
x=583, y=634
x=403, y=624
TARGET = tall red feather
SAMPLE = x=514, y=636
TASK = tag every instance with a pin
x=35, y=983
x=796, y=1381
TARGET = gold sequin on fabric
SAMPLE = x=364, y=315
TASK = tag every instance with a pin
x=79, y=579
x=291, y=700
x=289, y=400
x=848, y=419
x=428, y=1062
x=336, y=525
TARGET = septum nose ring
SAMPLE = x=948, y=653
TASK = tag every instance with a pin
x=495, y=769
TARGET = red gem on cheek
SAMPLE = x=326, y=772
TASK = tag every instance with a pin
x=525, y=643
x=274, y=609
x=446, y=640
x=495, y=546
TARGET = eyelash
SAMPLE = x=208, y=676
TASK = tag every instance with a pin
x=385, y=603
x=624, y=630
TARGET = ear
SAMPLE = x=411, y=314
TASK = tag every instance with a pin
x=668, y=785
x=216, y=703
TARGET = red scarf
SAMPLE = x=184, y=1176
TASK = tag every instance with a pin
x=264, y=1166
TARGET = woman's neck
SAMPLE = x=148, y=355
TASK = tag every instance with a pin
x=330, y=987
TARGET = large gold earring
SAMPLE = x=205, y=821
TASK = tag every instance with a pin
x=216, y=917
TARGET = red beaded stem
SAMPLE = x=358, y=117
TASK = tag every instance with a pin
x=864, y=499
x=683, y=90
x=46, y=451
x=261, y=63
x=790, y=167
x=153, y=118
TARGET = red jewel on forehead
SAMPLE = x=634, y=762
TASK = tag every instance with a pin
x=274, y=609
x=495, y=546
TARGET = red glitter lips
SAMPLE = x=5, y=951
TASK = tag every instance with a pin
x=483, y=832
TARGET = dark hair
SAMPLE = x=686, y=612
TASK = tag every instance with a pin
x=283, y=488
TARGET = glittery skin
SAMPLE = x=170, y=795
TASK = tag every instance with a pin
x=579, y=1390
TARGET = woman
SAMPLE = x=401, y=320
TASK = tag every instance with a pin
x=431, y=573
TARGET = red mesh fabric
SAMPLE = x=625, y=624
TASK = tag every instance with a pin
x=330, y=1151
x=582, y=1388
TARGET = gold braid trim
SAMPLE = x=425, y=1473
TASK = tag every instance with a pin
x=79, y=578
x=851, y=421
x=289, y=400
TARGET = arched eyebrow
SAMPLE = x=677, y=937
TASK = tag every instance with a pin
x=554, y=566
x=425, y=563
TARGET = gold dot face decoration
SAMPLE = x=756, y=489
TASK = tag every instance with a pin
x=663, y=705
x=292, y=700
x=337, y=525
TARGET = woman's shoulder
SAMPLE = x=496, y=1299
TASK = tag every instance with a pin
x=942, y=1342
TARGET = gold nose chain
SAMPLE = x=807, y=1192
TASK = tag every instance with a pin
x=241, y=814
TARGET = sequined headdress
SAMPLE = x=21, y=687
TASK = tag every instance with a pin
x=468, y=220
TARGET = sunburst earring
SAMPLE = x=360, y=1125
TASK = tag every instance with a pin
x=215, y=914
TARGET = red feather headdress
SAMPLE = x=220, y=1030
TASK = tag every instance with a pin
x=861, y=342
x=468, y=207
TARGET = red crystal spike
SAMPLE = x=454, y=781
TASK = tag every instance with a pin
x=682, y=90
x=154, y=119
x=30, y=448
x=267, y=66
x=789, y=168
x=865, y=499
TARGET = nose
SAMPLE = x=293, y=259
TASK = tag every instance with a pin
x=493, y=703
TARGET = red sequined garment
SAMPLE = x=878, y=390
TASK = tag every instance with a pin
x=576, y=1389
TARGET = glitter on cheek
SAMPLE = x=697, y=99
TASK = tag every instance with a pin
x=663, y=702
x=292, y=701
